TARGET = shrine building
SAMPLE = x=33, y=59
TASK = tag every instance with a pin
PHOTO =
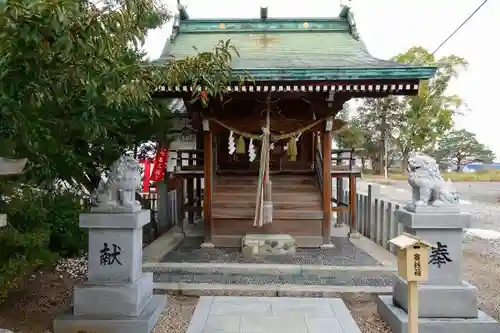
x=264, y=153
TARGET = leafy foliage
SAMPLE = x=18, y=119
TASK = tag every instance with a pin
x=75, y=92
x=424, y=118
x=41, y=227
x=461, y=147
x=409, y=123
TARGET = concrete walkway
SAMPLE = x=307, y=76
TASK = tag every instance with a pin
x=231, y=314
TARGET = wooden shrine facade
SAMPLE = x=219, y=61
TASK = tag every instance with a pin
x=304, y=72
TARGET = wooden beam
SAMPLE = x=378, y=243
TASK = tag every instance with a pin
x=326, y=143
x=207, y=167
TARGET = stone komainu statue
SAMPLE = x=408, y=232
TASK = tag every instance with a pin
x=117, y=193
x=428, y=186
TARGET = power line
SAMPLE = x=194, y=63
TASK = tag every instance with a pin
x=459, y=27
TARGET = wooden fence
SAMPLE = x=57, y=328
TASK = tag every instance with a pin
x=375, y=217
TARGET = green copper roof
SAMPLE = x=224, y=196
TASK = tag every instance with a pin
x=291, y=49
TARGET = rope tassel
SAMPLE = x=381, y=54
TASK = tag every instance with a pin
x=231, y=143
x=251, y=151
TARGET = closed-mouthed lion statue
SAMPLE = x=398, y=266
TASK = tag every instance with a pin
x=428, y=186
x=117, y=194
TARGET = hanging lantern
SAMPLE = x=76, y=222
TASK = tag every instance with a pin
x=292, y=149
x=240, y=146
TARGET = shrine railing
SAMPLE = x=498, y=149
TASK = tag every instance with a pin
x=375, y=217
x=187, y=159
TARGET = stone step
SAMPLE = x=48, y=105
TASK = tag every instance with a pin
x=304, y=270
x=262, y=284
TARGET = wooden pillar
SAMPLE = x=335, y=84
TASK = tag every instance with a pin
x=326, y=143
x=199, y=147
x=340, y=189
x=207, y=176
x=352, y=206
x=190, y=189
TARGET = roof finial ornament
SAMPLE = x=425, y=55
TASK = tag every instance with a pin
x=263, y=12
x=182, y=11
x=345, y=3
x=347, y=13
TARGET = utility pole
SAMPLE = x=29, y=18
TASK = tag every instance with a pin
x=386, y=156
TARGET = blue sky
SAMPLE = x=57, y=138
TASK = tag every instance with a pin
x=389, y=27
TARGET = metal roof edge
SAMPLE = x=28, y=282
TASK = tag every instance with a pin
x=341, y=73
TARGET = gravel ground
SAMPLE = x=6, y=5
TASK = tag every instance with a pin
x=366, y=280
x=344, y=254
x=481, y=267
x=364, y=311
x=176, y=318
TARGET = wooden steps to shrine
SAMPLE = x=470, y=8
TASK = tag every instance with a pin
x=278, y=214
x=297, y=209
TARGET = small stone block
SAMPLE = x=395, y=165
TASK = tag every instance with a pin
x=247, y=251
x=134, y=220
x=113, y=299
x=433, y=220
x=446, y=301
x=207, y=245
x=263, y=244
x=327, y=246
x=445, y=209
x=144, y=323
x=397, y=319
x=355, y=235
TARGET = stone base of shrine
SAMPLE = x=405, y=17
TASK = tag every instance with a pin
x=397, y=319
x=262, y=244
x=439, y=301
x=144, y=323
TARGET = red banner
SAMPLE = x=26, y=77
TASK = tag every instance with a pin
x=147, y=175
x=160, y=164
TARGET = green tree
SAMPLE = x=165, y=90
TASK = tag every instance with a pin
x=461, y=147
x=422, y=119
x=75, y=90
x=402, y=125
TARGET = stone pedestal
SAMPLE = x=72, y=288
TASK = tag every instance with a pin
x=262, y=244
x=446, y=303
x=117, y=297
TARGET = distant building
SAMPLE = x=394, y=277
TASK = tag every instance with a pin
x=478, y=166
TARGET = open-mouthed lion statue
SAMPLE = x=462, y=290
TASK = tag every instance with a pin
x=117, y=194
x=428, y=186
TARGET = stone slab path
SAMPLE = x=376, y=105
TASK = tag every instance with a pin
x=231, y=314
